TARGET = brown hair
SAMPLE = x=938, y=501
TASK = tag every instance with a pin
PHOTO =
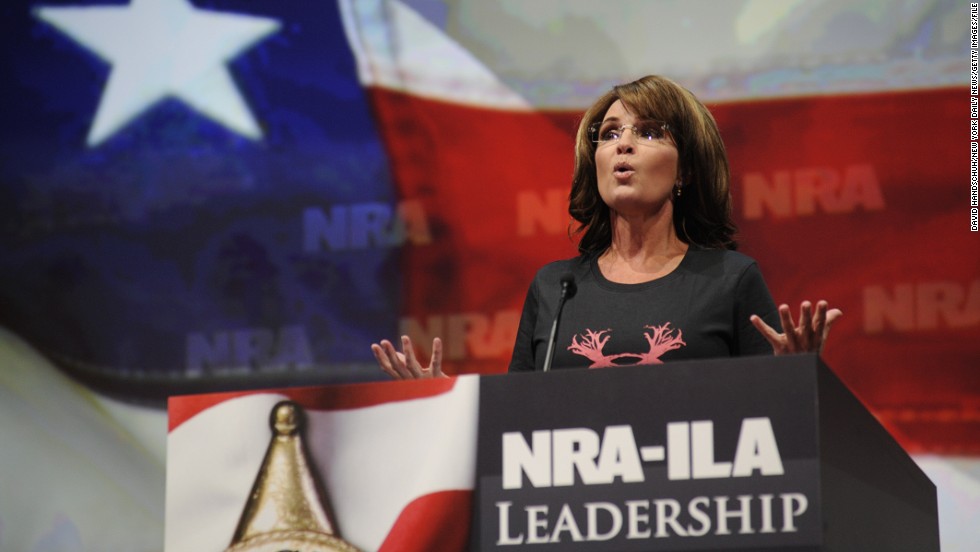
x=703, y=213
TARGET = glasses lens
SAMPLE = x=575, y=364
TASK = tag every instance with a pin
x=650, y=130
x=594, y=132
x=605, y=132
x=646, y=131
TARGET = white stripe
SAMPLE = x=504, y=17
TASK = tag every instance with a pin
x=377, y=460
x=397, y=49
x=562, y=54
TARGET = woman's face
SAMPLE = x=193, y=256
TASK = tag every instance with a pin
x=636, y=175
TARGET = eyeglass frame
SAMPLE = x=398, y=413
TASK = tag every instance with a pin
x=595, y=127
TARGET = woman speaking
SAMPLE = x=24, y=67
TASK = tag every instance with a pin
x=657, y=277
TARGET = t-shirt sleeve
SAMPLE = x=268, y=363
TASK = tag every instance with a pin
x=752, y=297
x=522, y=360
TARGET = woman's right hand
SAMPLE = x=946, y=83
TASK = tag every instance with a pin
x=404, y=365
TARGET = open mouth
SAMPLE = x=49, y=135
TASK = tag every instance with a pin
x=622, y=169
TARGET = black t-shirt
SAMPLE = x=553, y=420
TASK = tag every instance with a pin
x=700, y=310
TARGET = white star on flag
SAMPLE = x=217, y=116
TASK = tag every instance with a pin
x=160, y=49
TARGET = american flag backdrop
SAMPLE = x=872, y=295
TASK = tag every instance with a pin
x=204, y=195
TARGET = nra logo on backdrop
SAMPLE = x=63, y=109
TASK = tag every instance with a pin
x=365, y=226
x=542, y=212
x=921, y=306
x=242, y=350
x=780, y=194
x=473, y=335
x=809, y=191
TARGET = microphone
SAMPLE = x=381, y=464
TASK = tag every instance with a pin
x=567, y=290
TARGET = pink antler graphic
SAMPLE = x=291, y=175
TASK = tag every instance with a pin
x=661, y=340
x=591, y=348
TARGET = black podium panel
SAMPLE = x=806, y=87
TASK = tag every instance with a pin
x=756, y=453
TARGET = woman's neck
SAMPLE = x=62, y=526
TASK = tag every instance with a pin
x=641, y=249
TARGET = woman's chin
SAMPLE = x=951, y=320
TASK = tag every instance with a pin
x=634, y=205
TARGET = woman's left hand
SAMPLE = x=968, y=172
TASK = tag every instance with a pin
x=809, y=336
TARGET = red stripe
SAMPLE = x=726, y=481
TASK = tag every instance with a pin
x=435, y=522
x=335, y=397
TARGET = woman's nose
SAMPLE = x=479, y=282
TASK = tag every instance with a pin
x=624, y=144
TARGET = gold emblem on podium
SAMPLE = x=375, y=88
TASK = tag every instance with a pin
x=286, y=510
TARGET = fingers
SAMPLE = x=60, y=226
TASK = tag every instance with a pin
x=805, y=327
x=820, y=323
x=389, y=360
x=765, y=329
x=813, y=328
x=789, y=329
x=774, y=338
x=412, y=364
x=827, y=319
x=436, y=366
x=382, y=359
x=832, y=316
x=404, y=364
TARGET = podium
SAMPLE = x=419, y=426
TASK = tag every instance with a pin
x=753, y=453
x=757, y=453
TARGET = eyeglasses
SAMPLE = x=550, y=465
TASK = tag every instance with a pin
x=644, y=131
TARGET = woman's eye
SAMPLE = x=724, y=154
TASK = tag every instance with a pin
x=610, y=134
x=652, y=132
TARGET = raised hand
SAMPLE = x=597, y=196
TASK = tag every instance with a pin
x=808, y=336
x=404, y=364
